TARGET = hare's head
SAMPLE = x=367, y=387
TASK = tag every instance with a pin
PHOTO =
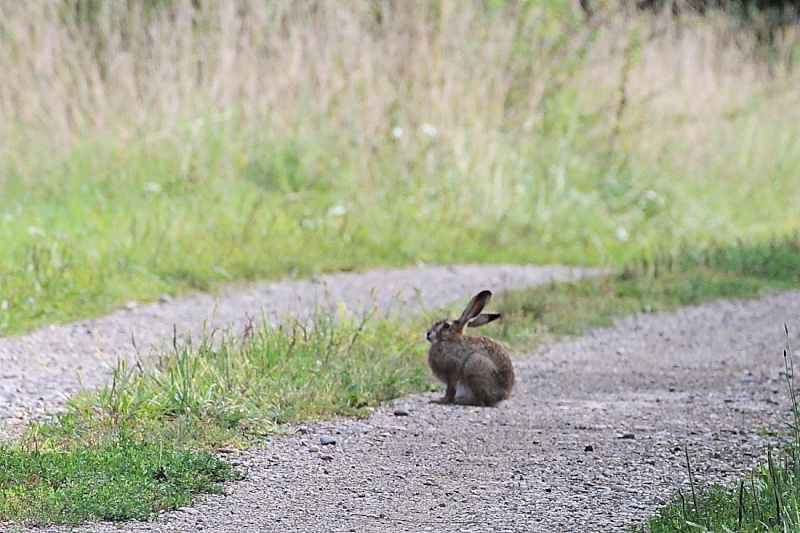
x=448, y=328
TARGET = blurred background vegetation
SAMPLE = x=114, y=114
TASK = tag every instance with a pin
x=165, y=146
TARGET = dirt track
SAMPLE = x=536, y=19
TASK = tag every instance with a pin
x=592, y=439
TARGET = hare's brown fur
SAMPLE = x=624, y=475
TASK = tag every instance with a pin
x=475, y=369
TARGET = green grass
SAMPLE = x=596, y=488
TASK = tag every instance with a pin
x=242, y=388
x=663, y=283
x=118, y=480
x=141, y=165
x=233, y=390
x=129, y=449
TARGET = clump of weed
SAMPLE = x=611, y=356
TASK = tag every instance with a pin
x=250, y=384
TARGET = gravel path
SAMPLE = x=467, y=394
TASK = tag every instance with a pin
x=591, y=440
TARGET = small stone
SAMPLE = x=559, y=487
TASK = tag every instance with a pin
x=130, y=306
x=187, y=510
x=313, y=448
x=164, y=299
x=588, y=448
x=400, y=412
x=326, y=457
x=227, y=450
x=325, y=440
x=302, y=429
x=627, y=436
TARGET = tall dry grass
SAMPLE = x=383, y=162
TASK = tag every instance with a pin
x=483, y=76
x=357, y=70
x=348, y=70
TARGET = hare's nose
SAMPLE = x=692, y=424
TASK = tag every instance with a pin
x=428, y=336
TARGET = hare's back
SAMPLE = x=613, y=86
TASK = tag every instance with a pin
x=494, y=353
x=488, y=347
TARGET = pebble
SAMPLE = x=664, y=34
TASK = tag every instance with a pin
x=326, y=457
x=588, y=448
x=313, y=448
x=326, y=440
x=627, y=436
x=400, y=412
x=227, y=450
x=187, y=510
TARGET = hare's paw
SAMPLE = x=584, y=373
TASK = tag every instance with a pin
x=449, y=394
x=443, y=400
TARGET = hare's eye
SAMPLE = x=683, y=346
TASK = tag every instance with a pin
x=446, y=325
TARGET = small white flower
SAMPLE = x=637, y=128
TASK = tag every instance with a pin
x=152, y=187
x=397, y=132
x=337, y=211
x=429, y=130
x=33, y=230
x=4, y=305
x=621, y=234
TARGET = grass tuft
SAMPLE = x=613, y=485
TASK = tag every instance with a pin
x=273, y=375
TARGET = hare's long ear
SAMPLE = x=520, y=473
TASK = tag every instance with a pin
x=481, y=319
x=474, y=307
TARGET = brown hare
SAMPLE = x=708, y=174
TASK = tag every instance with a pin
x=476, y=369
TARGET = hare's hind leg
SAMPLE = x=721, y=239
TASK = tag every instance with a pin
x=480, y=382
